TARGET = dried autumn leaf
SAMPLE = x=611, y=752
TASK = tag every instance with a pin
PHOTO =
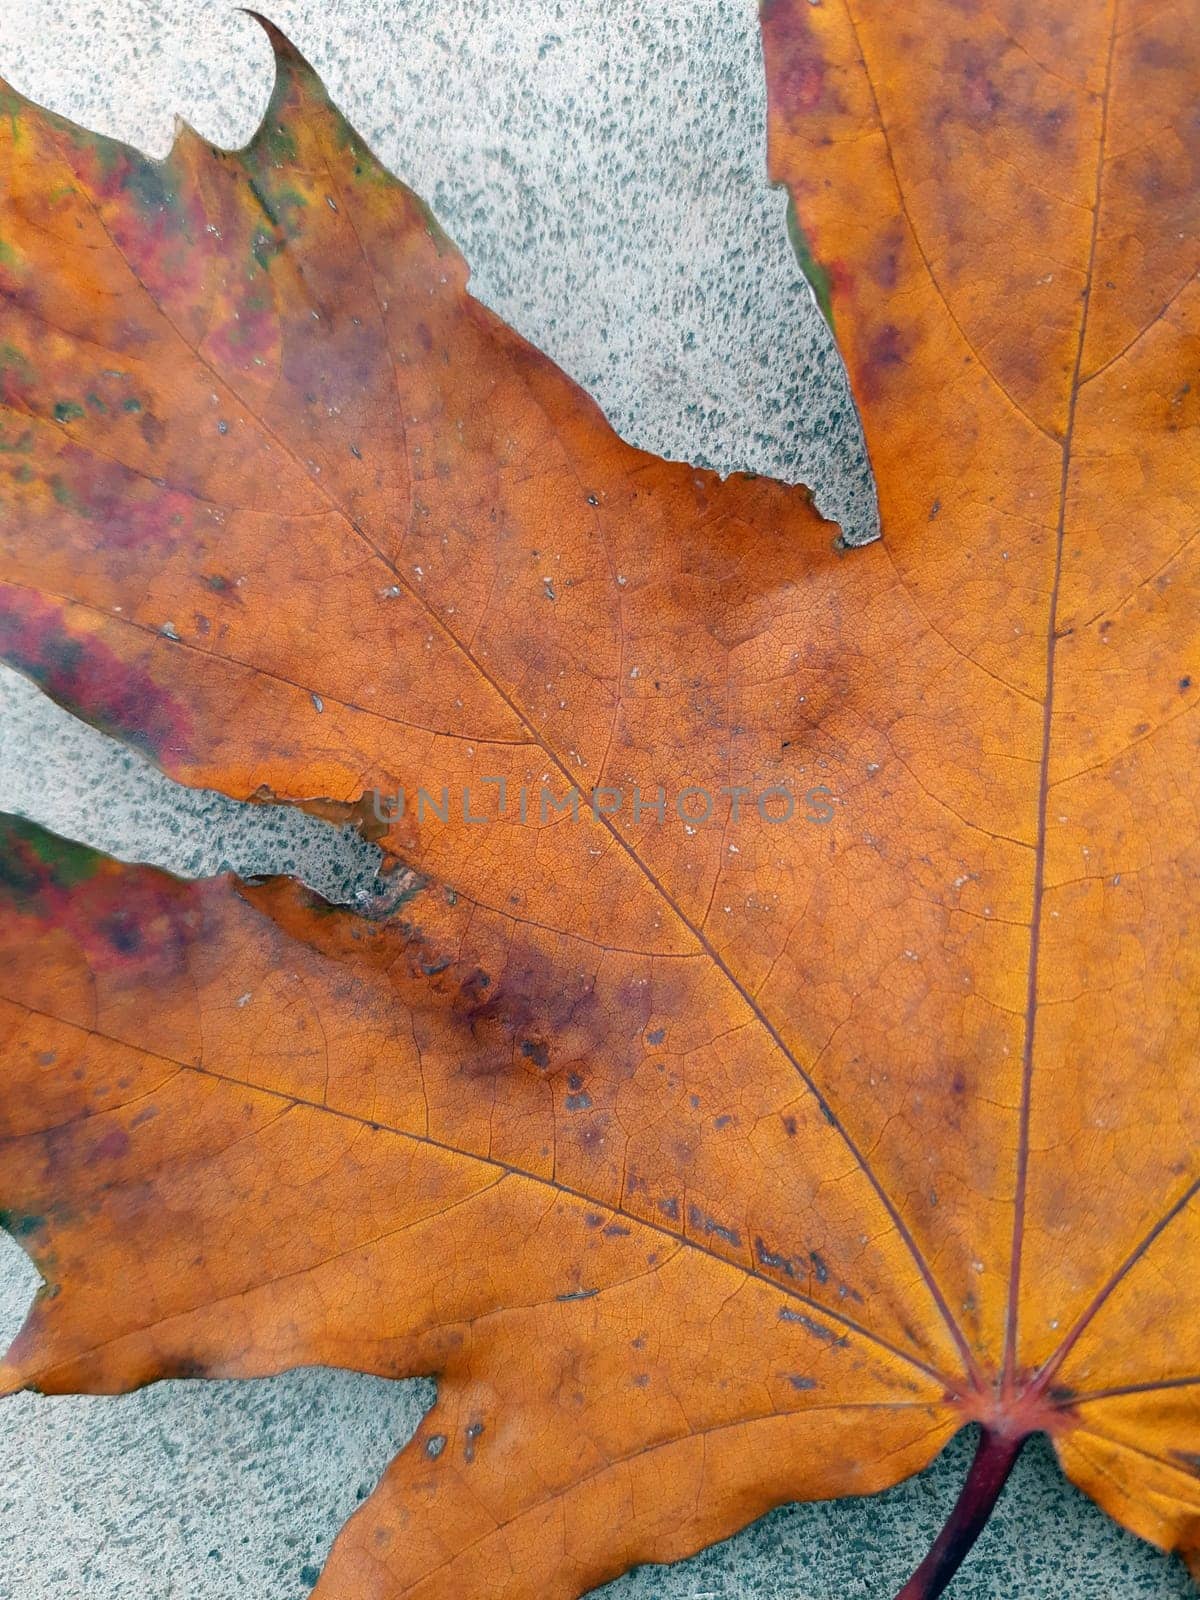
x=707, y=1166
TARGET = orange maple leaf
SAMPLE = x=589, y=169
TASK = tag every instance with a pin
x=708, y=1162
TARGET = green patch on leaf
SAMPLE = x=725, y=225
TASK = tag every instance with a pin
x=16, y=444
x=21, y=1224
x=31, y=858
x=818, y=278
x=67, y=498
x=278, y=143
x=14, y=360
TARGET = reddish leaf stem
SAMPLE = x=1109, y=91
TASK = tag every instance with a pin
x=994, y=1460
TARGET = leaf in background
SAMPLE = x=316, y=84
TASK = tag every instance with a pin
x=707, y=1165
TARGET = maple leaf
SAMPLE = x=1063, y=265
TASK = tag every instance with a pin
x=712, y=1163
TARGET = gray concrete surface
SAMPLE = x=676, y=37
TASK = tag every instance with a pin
x=601, y=164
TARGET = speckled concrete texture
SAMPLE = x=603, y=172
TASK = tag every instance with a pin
x=72, y=779
x=601, y=164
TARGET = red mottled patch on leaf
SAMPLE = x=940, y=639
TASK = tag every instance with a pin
x=82, y=674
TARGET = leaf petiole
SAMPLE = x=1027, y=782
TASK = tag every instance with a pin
x=994, y=1460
